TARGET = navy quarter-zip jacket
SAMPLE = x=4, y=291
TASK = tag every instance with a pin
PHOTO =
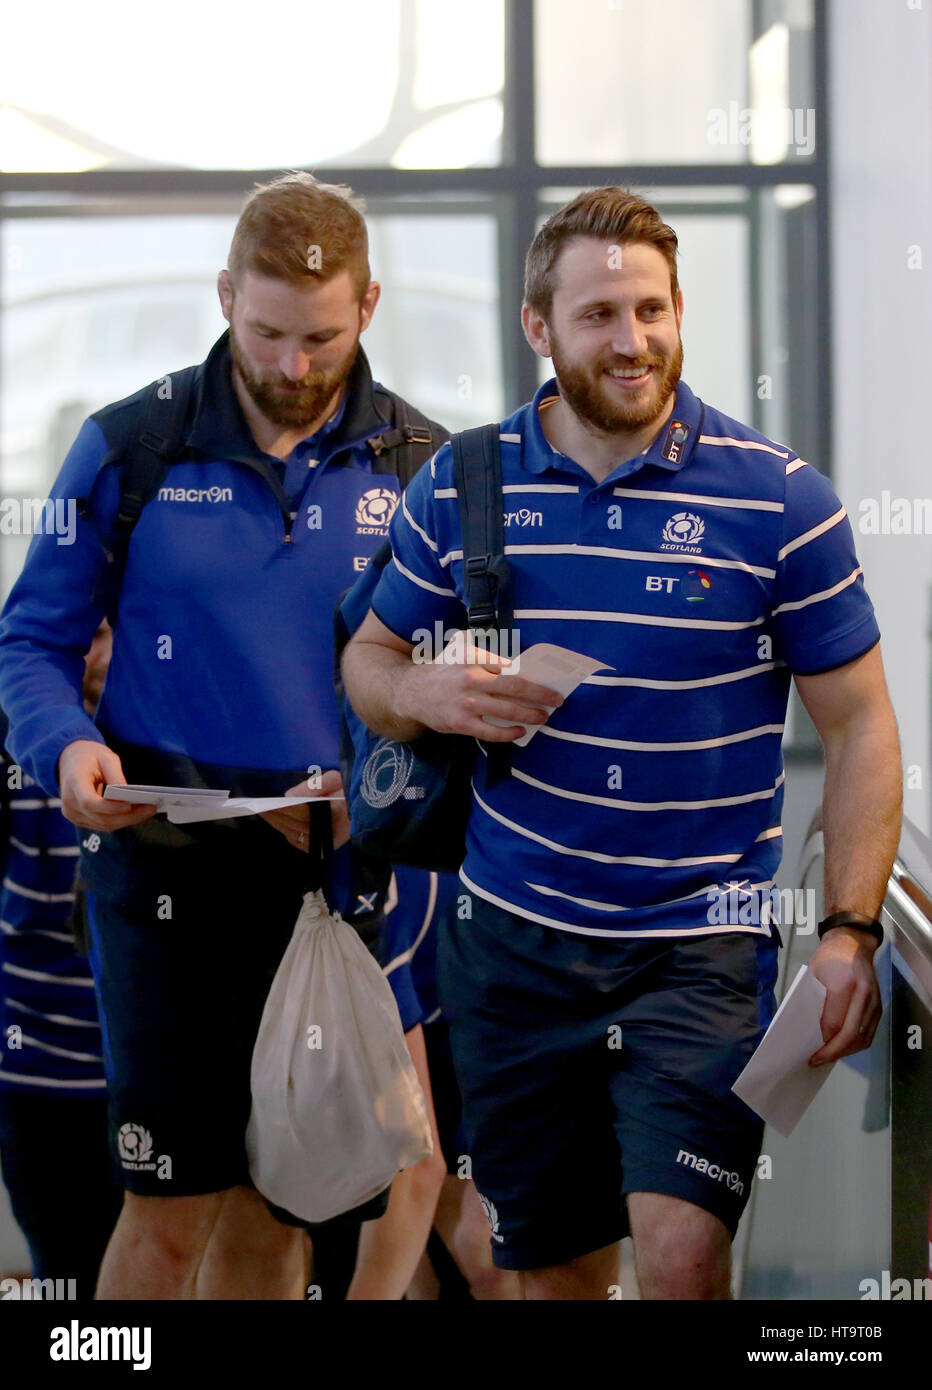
x=223, y=649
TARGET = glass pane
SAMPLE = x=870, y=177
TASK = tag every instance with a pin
x=311, y=83
x=674, y=82
x=787, y=385
x=713, y=275
x=435, y=334
x=93, y=309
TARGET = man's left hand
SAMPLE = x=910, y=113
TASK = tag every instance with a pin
x=295, y=823
x=844, y=965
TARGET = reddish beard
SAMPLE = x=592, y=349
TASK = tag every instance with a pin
x=276, y=397
x=581, y=387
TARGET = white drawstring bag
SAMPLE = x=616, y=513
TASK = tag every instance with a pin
x=337, y=1109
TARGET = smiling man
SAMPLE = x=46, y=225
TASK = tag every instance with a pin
x=600, y=1009
x=280, y=489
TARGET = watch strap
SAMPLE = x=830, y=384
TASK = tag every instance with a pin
x=860, y=920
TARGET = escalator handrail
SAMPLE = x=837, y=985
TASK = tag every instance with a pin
x=908, y=900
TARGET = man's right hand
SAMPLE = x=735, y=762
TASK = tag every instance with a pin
x=84, y=769
x=453, y=698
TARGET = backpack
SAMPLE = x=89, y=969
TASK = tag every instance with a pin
x=409, y=802
x=146, y=456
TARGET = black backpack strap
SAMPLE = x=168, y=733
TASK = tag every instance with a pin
x=320, y=847
x=477, y=463
x=144, y=458
x=409, y=443
x=477, y=468
x=152, y=452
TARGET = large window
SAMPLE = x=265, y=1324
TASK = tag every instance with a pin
x=127, y=146
x=673, y=82
x=181, y=85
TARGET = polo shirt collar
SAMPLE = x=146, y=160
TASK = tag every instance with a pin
x=670, y=450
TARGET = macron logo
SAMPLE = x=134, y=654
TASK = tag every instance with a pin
x=195, y=494
x=712, y=1170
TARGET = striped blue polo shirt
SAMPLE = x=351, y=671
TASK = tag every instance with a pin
x=50, y=1042
x=703, y=573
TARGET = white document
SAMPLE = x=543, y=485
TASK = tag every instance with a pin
x=142, y=795
x=558, y=668
x=185, y=805
x=240, y=806
x=777, y=1082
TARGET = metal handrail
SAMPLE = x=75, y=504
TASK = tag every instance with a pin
x=909, y=888
x=906, y=913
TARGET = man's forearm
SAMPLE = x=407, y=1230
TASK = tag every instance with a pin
x=861, y=815
x=372, y=674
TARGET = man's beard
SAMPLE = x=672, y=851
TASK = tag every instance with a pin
x=583, y=391
x=291, y=409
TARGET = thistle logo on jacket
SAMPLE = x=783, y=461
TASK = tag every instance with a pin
x=374, y=511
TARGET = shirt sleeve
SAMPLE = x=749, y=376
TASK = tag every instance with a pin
x=417, y=590
x=822, y=616
x=50, y=619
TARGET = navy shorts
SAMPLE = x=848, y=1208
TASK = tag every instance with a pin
x=591, y=1067
x=187, y=927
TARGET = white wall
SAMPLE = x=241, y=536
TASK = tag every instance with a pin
x=880, y=55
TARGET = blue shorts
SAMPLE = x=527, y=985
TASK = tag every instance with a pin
x=592, y=1067
x=408, y=952
x=416, y=900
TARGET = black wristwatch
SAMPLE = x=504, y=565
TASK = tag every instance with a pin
x=853, y=919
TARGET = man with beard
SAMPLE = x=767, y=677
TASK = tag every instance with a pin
x=221, y=677
x=610, y=968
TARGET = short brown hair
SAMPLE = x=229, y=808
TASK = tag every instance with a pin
x=298, y=229
x=606, y=214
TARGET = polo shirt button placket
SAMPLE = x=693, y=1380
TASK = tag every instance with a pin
x=587, y=516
